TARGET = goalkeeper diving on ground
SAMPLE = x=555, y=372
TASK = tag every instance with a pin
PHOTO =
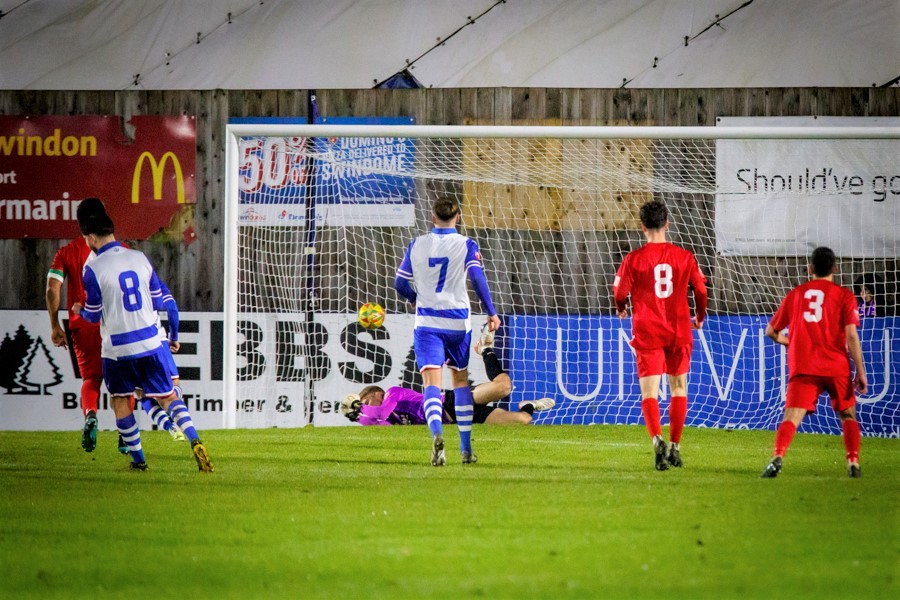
x=397, y=405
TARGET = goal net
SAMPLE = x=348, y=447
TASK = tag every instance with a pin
x=319, y=216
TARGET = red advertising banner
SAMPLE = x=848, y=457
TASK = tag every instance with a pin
x=48, y=164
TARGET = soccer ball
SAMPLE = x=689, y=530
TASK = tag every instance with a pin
x=371, y=315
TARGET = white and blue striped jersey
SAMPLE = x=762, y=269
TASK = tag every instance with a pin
x=124, y=294
x=437, y=263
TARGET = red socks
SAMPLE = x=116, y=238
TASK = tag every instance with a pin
x=650, y=408
x=677, y=416
x=787, y=430
x=784, y=436
x=90, y=395
x=851, y=440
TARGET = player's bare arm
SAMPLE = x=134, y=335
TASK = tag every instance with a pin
x=57, y=334
x=855, y=348
x=777, y=336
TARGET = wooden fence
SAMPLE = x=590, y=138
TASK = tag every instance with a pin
x=194, y=273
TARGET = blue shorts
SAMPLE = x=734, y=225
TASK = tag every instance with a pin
x=152, y=373
x=171, y=368
x=437, y=347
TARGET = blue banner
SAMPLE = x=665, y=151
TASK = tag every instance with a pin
x=361, y=175
x=350, y=182
x=737, y=378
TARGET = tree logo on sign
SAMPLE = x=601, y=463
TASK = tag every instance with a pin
x=26, y=365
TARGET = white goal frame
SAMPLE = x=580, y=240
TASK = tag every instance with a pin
x=233, y=133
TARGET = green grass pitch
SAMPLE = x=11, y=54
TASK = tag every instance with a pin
x=548, y=512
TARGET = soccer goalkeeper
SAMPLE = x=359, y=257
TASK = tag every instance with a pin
x=403, y=406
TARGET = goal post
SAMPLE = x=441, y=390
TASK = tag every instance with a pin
x=317, y=218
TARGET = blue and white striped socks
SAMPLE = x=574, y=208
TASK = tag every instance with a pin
x=434, y=409
x=131, y=433
x=157, y=414
x=179, y=413
x=465, y=409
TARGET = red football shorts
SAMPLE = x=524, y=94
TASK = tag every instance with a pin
x=672, y=360
x=86, y=342
x=803, y=391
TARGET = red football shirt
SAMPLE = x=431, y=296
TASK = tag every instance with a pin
x=657, y=276
x=68, y=264
x=817, y=313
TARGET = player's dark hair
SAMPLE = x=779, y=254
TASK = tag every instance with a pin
x=822, y=261
x=654, y=214
x=92, y=218
x=873, y=282
x=445, y=208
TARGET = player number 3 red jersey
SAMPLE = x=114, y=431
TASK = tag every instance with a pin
x=816, y=314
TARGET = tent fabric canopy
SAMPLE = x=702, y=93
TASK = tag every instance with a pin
x=284, y=44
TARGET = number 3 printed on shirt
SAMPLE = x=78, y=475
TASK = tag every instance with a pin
x=663, y=287
x=813, y=313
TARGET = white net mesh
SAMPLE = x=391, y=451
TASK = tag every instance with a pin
x=324, y=223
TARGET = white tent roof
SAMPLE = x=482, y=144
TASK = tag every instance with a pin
x=307, y=44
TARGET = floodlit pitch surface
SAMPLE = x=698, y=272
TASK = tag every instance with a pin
x=548, y=512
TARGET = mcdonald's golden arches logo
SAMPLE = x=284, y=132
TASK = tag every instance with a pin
x=157, y=170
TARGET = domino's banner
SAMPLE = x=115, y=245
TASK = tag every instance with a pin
x=359, y=180
x=292, y=373
x=337, y=181
x=785, y=197
x=737, y=375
